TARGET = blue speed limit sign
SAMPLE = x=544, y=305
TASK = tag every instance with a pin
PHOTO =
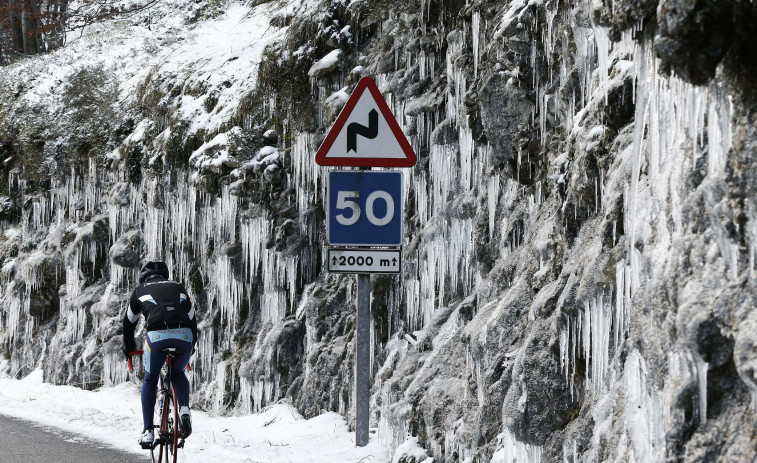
x=364, y=208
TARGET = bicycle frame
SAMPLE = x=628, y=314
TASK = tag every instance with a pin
x=169, y=425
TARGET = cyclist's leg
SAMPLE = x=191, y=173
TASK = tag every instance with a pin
x=178, y=378
x=154, y=360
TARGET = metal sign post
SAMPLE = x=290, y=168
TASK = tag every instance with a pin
x=363, y=360
x=364, y=211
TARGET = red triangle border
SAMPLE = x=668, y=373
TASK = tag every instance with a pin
x=363, y=84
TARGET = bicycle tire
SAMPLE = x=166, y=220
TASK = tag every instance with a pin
x=175, y=431
x=164, y=428
x=169, y=428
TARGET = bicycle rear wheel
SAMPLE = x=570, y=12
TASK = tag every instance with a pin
x=165, y=425
x=173, y=437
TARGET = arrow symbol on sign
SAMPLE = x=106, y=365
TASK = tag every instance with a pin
x=394, y=261
x=334, y=261
x=354, y=129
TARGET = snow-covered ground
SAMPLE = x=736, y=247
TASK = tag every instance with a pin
x=112, y=415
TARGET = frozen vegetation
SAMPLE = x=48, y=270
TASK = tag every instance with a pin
x=580, y=258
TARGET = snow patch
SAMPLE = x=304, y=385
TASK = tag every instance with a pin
x=113, y=415
x=411, y=450
x=326, y=64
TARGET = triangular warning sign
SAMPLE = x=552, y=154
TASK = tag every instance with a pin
x=366, y=134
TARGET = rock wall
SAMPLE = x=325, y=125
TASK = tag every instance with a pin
x=580, y=262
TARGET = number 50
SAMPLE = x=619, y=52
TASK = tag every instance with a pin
x=349, y=200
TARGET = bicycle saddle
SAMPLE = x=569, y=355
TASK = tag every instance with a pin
x=171, y=350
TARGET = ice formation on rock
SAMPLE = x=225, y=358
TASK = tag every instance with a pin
x=579, y=262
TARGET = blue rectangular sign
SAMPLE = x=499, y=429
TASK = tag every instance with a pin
x=365, y=208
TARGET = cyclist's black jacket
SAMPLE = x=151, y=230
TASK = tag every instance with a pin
x=165, y=305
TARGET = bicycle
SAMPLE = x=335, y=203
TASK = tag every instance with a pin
x=169, y=438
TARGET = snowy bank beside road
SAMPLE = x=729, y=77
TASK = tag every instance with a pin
x=112, y=415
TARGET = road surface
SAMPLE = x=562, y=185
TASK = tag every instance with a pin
x=24, y=441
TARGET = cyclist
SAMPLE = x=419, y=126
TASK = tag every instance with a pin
x=171, y=322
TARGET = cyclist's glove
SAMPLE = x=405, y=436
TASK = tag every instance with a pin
x=126, y=351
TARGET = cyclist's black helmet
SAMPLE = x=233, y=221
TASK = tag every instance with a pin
x=153, y=269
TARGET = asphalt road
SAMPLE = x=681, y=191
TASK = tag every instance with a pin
x=24, y=441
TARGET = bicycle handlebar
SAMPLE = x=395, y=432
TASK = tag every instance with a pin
x=134, y=352
x=140, y=352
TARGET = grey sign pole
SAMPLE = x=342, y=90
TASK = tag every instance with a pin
x=363, y=360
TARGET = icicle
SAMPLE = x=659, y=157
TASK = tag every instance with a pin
x=306, y=173
x=603, y=52
x=588, y=336
x=457, y=86
x=644, y=79
x=220, y=391
x=467, y=150
x=476, y=32
x=701, y=369
x=752, y=241
x=511, y=450
x=492, y=200
x=718, y=134
x=621, y=313
x=644, y=413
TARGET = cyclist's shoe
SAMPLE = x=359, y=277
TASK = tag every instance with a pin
x=186, y=421
x=146, y=439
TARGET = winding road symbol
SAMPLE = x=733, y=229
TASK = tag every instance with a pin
x=354, y=129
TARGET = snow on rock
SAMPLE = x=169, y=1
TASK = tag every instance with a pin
x=210, y=65
x=411, y=452
x=338, y=99
x=266, y=160
x=326, y=65
x=214, y=154
x=127, y=250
